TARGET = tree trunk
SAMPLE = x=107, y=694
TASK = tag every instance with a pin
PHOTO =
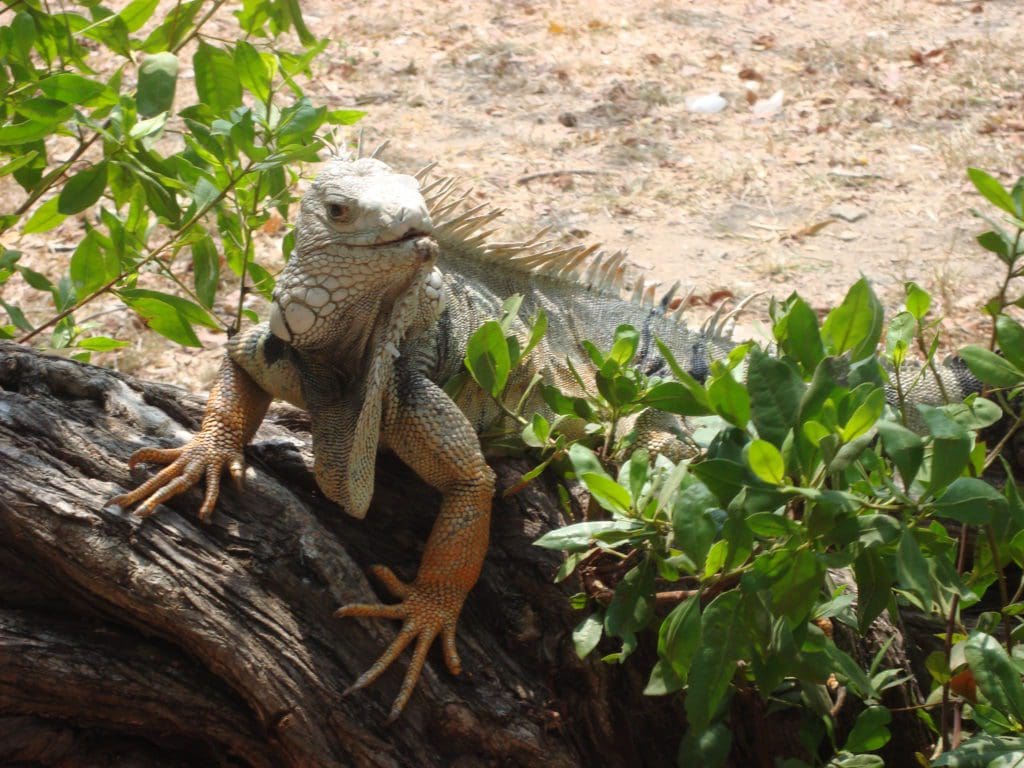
x=167, y=642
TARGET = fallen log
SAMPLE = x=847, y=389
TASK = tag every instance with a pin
x=218, y=640
x=167, y=642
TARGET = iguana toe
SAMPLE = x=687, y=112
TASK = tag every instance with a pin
x=186, y=467
x=427, y=611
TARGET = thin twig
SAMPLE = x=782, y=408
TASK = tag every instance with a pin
x=1004, y=592
x=948, y=646
x=138, y=265
x=564, y=172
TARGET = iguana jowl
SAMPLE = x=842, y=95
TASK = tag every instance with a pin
x=371, y=315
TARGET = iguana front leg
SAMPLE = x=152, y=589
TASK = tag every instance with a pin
x=431, y=435
x=234, y=411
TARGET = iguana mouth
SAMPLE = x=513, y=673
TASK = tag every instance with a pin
x=412, y=234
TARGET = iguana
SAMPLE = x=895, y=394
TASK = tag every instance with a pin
x=371, y=315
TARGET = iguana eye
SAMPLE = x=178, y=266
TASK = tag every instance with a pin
x=339, y=213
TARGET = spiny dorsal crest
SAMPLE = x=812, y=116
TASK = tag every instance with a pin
x=456, y=220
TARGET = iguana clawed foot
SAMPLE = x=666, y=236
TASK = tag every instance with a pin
x=427, y=610
x=204, y=454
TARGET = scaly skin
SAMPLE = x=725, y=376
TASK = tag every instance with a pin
x=364, y=330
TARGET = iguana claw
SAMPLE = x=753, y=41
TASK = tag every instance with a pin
x=233, y=413
x=427, y=610
x=185, y=468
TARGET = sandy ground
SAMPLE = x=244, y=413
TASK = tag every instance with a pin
x=841, y=148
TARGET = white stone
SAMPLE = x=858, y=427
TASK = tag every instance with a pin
x=708, y=104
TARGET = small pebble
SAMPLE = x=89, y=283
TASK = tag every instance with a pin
x=848, y=212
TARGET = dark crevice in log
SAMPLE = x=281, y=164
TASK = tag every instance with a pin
x=28, y=742
x=73, y=669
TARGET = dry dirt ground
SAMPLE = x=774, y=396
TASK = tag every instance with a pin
x=840, y=150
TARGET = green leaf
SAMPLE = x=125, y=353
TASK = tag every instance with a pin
x=975, y=413
x=217, y=80
x=37, y=280
x=636, y=473
x=775, y=393
x=487, y=358
x=633, y=604
x=170, y=316
x=23, y=159
x=912, y=569
x=70, y=88
x=970, y=500
x=798, y=335
x=708, y=748
x=624, y=347
x=997, y=243
x=587, y=634
x=205, y=270
x=984, y=751
x=253, y=72
x=951, y=446
x=584, y=460
x=148, y=127
x=300, y=121
x=166, y=320
x=990, y=367
x=24, y=132
x=693, y=527
x=577, y=537
x=874, y=586
x=897, y=339
x=724, y=477
x=17, y=316
x=996, y=675
x=992, y=190
x=795, y=579
x=856, y=324
x=536, y=433
x=101, y=344
x=345, y=116
x=137, y=13
x=766, y=462
x=43, y=110
x=606, y=492
x=679, y=637
x=158, y=79
x=537, y=331
x=918, y=300
x=45, y=218
x=714, y=664
x=83, y=189
x=870, y=732
x=663, y=680
x=905, y=448
x=729, y=398
x=864, y=418
x=768, y=525
x=1010, y=335
x=93, y=264
x=694, y=387
x=674, y=397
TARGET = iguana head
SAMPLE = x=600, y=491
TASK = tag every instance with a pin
x=361, y=241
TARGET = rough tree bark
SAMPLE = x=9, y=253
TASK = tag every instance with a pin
x=166, y=642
